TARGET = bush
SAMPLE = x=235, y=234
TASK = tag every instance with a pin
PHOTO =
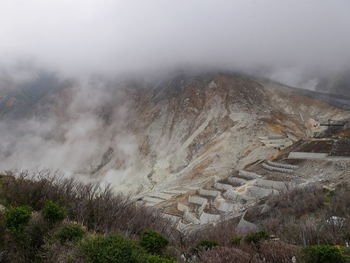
x=53, y=213
x=95, y=205
x=111, y=249
x=71, y=232
x=207, y=244
x=16, y=218
x=153, y=242
x=236, y=240
x=323, y=254
x=256, y=237
x=158, y=259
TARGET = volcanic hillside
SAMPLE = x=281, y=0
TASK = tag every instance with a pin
x=197, y=146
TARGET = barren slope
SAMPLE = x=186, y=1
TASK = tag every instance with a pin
x=167, y=140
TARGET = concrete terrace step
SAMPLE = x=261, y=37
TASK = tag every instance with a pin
x=181, y=207
x=182, y=227
x=248, y=175
x=231, y=215
x=150, y=201
x=276, y=169
x=197, y=200
x=258, y=192
x=202, y=202
x=207, y=218
x=236, y=180
x=225, y=206
x=179, y=190
x=221, y=186
x=234, y=196
x=279, y=144
x=189, y=217
x=269, y=184
x=175, y=192
x=172, y=218
x=211, y=193
x=160, y=195
x=307, y=155
x=282, y=165
x=276, y=141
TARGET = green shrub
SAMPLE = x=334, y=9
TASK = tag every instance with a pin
x=153, y=242
x=53, y=213
x=323, y=254
x=236, y=240
x=158, y=259
x=256, y=237
x=16, y=218
x=207, y=244
x=111, y=249
x=71, y=232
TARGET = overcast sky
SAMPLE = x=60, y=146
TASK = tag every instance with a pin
x=111, y=36
x=292, y=41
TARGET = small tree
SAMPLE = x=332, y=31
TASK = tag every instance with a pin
x=16, y=218
x=153, y=242
x=111, y=249
x=71, y=233
x=53, y=213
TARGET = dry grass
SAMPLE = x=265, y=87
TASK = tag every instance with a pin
x=93, y=205
x=302, y=216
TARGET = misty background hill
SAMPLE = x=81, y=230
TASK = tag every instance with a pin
x=153, y=132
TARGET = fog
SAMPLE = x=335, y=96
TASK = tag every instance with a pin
x=89, y=46
x=290, y=40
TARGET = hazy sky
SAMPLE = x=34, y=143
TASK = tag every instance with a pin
x=111, y=36
x=288, y=40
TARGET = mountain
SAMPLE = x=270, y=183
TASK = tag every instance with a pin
x=173, y=143
x=193, y=128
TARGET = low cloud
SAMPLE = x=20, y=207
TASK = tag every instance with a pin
x=91, y=44
x=115, y=37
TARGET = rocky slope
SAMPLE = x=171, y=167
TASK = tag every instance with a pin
x=193, y=145
x=190, y=130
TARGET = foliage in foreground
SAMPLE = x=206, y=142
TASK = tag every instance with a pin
x=70, y=233
x=153, y=242
x=36, y=239
x=112, y=248
x=52, y=212
x=16, y=218
x=61, y=220
x=93, y=205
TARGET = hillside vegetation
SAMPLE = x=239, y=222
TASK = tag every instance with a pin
x=49, y=218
